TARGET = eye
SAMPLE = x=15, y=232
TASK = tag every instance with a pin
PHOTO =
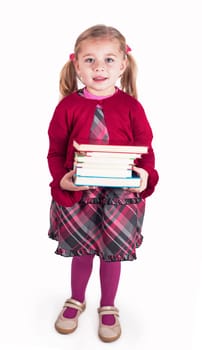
x=89, y=60
x=109, y=60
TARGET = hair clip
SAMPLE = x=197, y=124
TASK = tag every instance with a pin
x=128, y=49
x=72, y=56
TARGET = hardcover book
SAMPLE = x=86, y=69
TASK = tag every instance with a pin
x=133, y=182
x=108, y=148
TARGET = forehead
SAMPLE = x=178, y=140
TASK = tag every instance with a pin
x=104, y=44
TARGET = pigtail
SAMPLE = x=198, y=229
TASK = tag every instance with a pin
x=128, y=79
x=68, y=79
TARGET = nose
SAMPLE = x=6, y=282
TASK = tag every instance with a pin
x=99, y=66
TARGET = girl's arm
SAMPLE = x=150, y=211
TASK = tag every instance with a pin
x=143, y=136
x=58, y=144
x=58, y=141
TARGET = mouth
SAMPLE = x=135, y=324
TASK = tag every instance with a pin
x=99, y=79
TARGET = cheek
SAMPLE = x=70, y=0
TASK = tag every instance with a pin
x=81, y=70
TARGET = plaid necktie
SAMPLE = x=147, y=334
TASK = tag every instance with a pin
x=98, y=130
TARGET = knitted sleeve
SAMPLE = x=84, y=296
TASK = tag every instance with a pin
x=143, y=136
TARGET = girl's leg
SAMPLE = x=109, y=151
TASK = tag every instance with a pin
x=109, y=280
x=80, y=273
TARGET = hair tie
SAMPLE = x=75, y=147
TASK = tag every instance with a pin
x=72, y=56
x=128, y=49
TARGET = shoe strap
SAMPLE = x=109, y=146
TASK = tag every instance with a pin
x=75, y=304
x=108, y=310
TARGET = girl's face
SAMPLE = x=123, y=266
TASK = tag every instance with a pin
x=100, y=63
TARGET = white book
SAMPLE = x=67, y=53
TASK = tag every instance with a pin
x=102, y=160
x=109, y=148
x=100, y=165
x=111, y=155
x=103, y=172
x=131, y=182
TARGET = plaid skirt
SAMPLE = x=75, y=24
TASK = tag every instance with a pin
x=106, y=222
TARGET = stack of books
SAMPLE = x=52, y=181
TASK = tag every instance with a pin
x=100, y=165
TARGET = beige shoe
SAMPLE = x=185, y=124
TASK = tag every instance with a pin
x=66, y=325
x=105, y=332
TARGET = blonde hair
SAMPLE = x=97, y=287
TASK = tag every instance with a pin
x=68, y=76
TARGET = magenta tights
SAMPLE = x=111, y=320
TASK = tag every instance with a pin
x=109, y=279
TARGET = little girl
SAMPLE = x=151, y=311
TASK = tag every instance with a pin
x=86, y=221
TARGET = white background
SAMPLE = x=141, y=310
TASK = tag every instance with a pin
x=160, y=294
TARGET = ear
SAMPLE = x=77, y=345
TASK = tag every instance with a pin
x=123, y=66
x=76, y=66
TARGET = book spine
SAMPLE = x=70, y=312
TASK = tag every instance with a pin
x=109, y=148
x=92, y=160
x=101, y=165
x=107, y=182
x=103, y=172
x=112, y=155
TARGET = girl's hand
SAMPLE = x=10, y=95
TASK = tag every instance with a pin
x=66, y=183
x=143, y=179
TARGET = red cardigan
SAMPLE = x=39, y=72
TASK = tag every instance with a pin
x=126, y=123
